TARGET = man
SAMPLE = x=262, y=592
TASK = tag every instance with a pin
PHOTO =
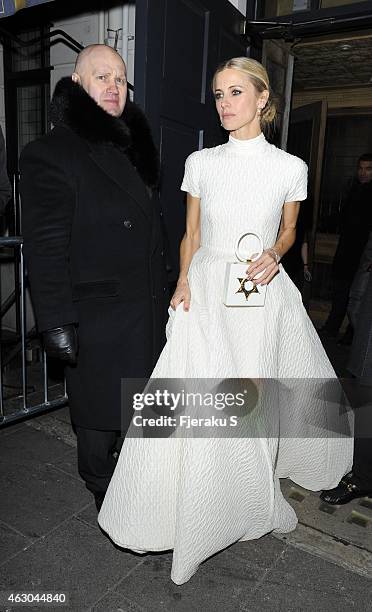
x=358, y=482
x=356, y=223
x=93, y=250
x=5, y=188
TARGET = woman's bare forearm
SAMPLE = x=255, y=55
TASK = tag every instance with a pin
x=287, y=233
x=285, y=241
x=191, y=240
x=189, y=245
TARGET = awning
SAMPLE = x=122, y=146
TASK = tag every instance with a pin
x=9, y=7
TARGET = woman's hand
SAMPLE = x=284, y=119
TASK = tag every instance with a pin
x=308, y=277
x=181, y=294
x=266, y=263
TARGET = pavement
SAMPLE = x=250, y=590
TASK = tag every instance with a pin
x=50, y=542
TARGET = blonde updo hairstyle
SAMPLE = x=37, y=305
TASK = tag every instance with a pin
x=259, y=78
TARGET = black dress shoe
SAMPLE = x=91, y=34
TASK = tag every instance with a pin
x=98, y=498
x=345, y=492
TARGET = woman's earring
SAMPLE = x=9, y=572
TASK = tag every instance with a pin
x=259, y=112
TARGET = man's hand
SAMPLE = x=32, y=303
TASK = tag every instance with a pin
x=61, y=343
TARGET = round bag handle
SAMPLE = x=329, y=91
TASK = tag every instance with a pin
x=237, y=253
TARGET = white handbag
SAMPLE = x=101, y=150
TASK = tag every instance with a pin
x=238, y=290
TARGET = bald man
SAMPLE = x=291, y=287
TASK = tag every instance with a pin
x=93, y=247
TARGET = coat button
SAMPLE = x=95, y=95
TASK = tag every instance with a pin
x=127, y=224
x=162, y=253
x=161, y=214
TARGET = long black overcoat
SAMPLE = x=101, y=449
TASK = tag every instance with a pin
x=93, y=247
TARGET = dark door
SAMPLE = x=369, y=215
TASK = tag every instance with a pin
x=179, y=43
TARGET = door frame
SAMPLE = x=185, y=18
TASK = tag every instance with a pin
x=317, y=112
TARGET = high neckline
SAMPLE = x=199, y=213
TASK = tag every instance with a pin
x=250, y=145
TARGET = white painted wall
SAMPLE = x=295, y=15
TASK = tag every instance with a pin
x=241, y=5
x=90, y=28
x=85, y=29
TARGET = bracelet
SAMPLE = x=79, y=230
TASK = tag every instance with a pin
x=276, y=255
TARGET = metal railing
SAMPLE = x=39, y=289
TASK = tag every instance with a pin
x=25, y=401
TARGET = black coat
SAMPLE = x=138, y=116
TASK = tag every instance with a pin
x=93, y=247
x=355, y=226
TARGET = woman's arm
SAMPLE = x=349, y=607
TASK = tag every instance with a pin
x=287, y=234
x=305, y=258
x=189, y=245
x=269, y=260
x=305, y=253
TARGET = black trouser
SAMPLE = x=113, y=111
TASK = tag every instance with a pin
x=340, y=299
x=96, y=457
x=362, y=465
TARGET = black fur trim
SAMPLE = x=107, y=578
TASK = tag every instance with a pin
x=73, y=107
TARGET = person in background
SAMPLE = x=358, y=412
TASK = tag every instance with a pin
x=360, y=283
x=358, y=482
x=355, y=226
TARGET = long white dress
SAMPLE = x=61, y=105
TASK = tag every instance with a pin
x=199, y=495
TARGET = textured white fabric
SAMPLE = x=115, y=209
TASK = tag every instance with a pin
x=197, y=496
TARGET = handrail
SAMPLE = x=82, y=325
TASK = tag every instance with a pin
x=8, y=303
x=27, y=43
x=11, y=241
x=11, y=300
x=68, y=40
x=11, y=414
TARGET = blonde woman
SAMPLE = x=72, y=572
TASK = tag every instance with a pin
x=199, y=493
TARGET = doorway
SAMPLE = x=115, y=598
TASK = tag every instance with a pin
x=332, y=74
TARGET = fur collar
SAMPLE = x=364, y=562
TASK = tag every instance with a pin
x=73, y=107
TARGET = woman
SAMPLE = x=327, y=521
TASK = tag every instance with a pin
x=197, y=496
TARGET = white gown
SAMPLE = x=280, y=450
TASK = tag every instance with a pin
x=199, y=495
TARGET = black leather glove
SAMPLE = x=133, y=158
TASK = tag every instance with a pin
x=61, y=343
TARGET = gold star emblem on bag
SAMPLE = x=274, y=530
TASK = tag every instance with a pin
x=243, y=288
